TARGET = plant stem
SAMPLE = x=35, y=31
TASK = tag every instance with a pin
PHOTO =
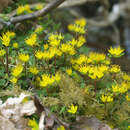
x=7, y=61
x=3, y=63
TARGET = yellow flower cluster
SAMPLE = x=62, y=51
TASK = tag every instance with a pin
x=48, y=79
x=55, y=47
x=116, y=52
x=2, y=52
x=79, y=42
x=72, y=109
x=32, y=40
x=78, y=26
x=84, y=64
x=22, y=9
x=94, y=72
x=122, y=88
x=33, y=70
x=105, y=98
x=55, y=39
x=23, y=57
x=6, y=38
x=114, y=69
x=96, y=57
x=17, y=70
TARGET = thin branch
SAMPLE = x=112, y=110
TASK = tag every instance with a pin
x=39, y=13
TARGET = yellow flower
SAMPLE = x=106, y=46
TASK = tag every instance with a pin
x=20, y=10
x=32, y=40
x=57, y=77
x=123, y=87
x=23, y=57
x=127, y=98
x=17, y=70
x=14, y=80
x=106, y=98
x=10, y=34
x=81, y=22
x=2, y=52
x=69, y=71
x=39, y=6
x=115, y=88
x=39, y=55
x=126, y=77
x=115, y=68
x=15, y=45
x=33, y=70
x=96, y=57
x=82, y=59
x=38, y=29
x=46, y=80
x=61, y=128
x=81, y=41
x=45, y=46
x=33, y=124
x=84, y=69
x=5, y=39
x=72, y=109
x=116, y=52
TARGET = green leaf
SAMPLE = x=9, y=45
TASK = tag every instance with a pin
x=84, y=50
x=2, y=82
x=62, y=110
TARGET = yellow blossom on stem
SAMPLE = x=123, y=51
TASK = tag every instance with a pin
x=116, y=52
x=126, y=77
x=61, y=128
x=69, y=71
x=81, y=41
x=33, y=70
x=115, y=88
x=72, y=109
x=23, y=57
x=39, y=55
x=106, y=98
x=96, y=57
x=57, y=77
x=81, y=22
x=15, y=45
x=5, y=39
x=2, y=52
x=45, y=46
x=84, y=69
x=21, y=9
x=115, y=68
x=17, y=70
x=38, y=29
x=10, y=34
x=32, y=40
x=14, y=80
